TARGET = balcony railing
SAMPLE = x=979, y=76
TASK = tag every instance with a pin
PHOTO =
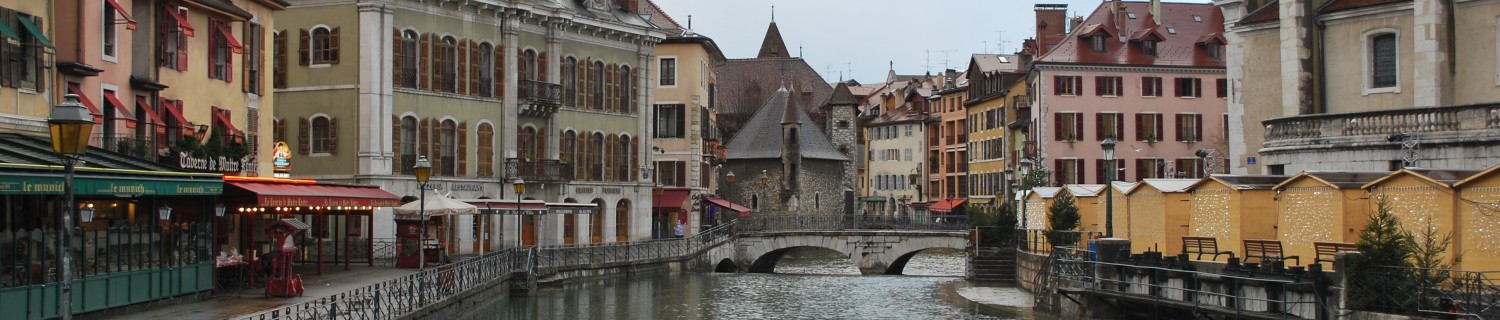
x=1385, y=122
x=142, y=147
x=541, y=92
x=539, y=170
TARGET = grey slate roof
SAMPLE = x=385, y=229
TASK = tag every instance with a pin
x=760, y=138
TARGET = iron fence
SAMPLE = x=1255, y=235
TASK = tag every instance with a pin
x=1444, y=292
x=1169, y=283
x=628, y=252
x=1043, y=241
x=794, y=222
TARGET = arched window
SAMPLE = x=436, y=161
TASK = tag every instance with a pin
x=622, y=164
x=566, y=151
x=526, y=140
x=528, y=65
x=598, y=84
x=1382, y=53
x=570, y=81
x=408, y=144
x=448, y=66
x=322, y=135
x=486, y=71
x=486, y=150
x=325, y=45
x=448, y=137
x=627, y=105
x=596, y=157
x=622, y=221
x=408, y=59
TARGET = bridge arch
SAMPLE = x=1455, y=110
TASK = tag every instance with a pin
x=726, y=265
x=766, y=263
x=873, y=251
x=898, y=266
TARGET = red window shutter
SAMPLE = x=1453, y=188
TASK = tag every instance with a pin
x=463, y=148
x=1099, y=85
x=1160, y=128
x=1119, y=86
x=1140, y=170
x=1099, y=170
x=229, y=63
x=333, y=45
x=304, y=130
x=302, y=48
x=1099, y=126
x=1078, y=86
x=1057, y=84
x=1197, y=87
x=1057, y=126
x=1140, y=127
x=1198, y=127
x=333, y=135
x=1058, y=172
x=424, y=62
x=1119, y=131
x=1078, y=125
x=396, y=143
x=1180, y=123
x=1145, y=86
x=541, y=66
x=397, y=58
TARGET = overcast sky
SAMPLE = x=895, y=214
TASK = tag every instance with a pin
x=860, y=37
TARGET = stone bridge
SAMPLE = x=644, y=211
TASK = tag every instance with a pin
x=874, y=251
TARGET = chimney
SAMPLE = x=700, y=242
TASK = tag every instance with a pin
x=1051, y=20
x=631, y=6
x=1074, y=22
x=1156, y=11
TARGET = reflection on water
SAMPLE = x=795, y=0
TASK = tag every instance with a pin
x=808, y=284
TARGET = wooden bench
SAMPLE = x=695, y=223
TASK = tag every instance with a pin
x=1266, y=251
x=1328, y=250
x=1202, y=246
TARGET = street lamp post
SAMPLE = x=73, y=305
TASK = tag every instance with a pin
x=423, y=172
x=70, y=124
x=519, y=186
x=1025, y=185
x=1109, y=176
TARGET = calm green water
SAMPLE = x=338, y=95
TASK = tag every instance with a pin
x=807, y=285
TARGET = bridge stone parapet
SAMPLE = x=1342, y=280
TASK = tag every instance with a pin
x=873, y=251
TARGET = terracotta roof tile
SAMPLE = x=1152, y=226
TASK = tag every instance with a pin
x=1271, y=11
x=1182, y=24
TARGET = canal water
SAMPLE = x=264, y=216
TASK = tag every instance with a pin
x=808, y=284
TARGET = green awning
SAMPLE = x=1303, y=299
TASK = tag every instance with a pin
x=36, y=32
x=873, y=199
x=11, y=36
x=107, y=184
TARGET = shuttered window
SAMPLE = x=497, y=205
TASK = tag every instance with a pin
x=324, y=45
x=1150, y=86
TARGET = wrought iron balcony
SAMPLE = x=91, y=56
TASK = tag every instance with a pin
x=142, y=147
x=541, y=92
x=538, y=170
x=1377, y=125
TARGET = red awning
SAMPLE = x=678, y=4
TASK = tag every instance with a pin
x=172, y=109
x=946, y=205
x=224, y=120
x=124, y=14
x=741, y=210
x=187, y=28
x=145, y=106
x=670, y=199
x=279, y=194
x=121, y=107
x=234, y=45
x=84, y=99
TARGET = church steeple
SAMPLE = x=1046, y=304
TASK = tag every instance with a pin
x=773, y=46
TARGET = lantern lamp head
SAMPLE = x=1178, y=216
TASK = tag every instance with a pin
x=423, y=169
x=219, y=210
x=86, y=214
x=71, y=126
x=164, y=213
x=519, y=185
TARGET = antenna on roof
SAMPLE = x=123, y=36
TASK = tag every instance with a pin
x=945, y=57
x=929, y=60
x=984, y=47
x=799, y=50
x=690, y=21
x=773, y=13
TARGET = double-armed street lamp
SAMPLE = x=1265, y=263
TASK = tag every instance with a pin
x=423, y=172
x=71, y=125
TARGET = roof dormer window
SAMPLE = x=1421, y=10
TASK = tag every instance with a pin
x=1213, y=50
x=1097, y=43
x=1148, y=48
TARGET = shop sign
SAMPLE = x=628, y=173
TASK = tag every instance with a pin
x=220, y=164
x=87, y=185
x=467, y=187
x=281, y=158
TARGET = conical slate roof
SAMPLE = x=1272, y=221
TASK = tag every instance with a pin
x=760, y=138
x=773, y=46
x=842, y=96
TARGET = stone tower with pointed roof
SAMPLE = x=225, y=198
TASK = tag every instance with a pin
x=746, y=83
x=781, y=145
x=842, y=108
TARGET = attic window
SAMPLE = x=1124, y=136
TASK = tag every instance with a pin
x=1171, y=30
x=1130, y=15
x=1004, y=60
x=1213, y=50
x=1097, y=43
x=1197, y=18
x=1148, y=47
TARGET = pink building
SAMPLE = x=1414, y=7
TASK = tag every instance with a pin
x=1150, y=75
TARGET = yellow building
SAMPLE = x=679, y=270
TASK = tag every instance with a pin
x=993, y=81
x=1159, y=215
x=686, y=111
x=1479, y=217
x=1304, y=203
x=26, y=89
x=1231, y=208
x=1423, y=199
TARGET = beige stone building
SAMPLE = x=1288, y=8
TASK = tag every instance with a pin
x=688, y=145
x=1362, y=85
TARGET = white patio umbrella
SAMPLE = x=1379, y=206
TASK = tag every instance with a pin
x=438, y=205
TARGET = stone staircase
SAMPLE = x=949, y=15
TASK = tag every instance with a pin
x=995, y=266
